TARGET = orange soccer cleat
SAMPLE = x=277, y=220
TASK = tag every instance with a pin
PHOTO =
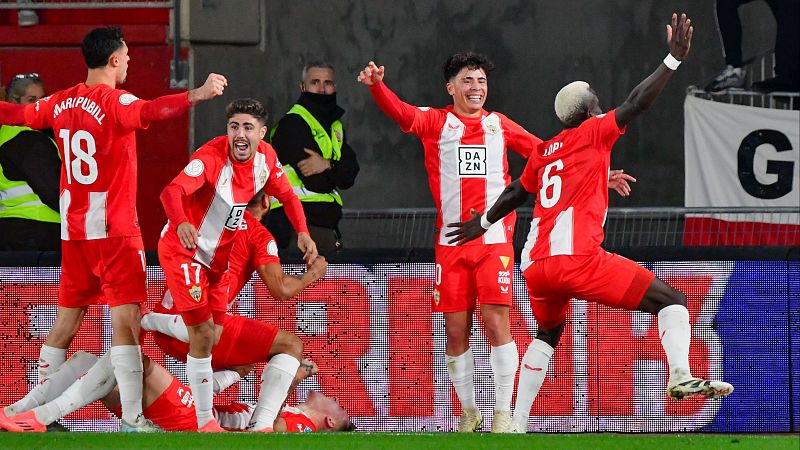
x=22, y=423
x=212, y=426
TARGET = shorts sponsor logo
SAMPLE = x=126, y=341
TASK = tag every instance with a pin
x=472, y=160
x=505, y=260
x=194, y=169
x=196, y=292
x=504, y=277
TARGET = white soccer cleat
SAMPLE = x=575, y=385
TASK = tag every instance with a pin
x=696, y=386
x=141, y=425
x=501, y=421
x=471, y=420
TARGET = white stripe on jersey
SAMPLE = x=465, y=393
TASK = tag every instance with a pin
x=561, y=237
x=63, y=204
x=213, y=223
x=260, y=171
x=449, y=180
x=96, y=216
x=495, y=181
x=530, y=242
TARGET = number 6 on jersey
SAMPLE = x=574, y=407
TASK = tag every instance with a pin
x=547, y=181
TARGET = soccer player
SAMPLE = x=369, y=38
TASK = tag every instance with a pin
x=205, y=205
x=102, y=252
x=245, y=340
x=562, y=258
x=167, y=402
x=465, y=156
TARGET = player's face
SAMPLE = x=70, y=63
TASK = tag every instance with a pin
x=244, y=133
x=320, y=80
x=32, y=94
x=469, y=89
x=329, y=407
x=122, y=59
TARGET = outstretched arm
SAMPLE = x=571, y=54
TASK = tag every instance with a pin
x=679, y=39
x=387, y=101
x=170, y=106
x=513, y=196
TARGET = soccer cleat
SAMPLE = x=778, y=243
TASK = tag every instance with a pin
x=501, y=421
x=471, y=420
x=730, y=77
x=212, y=426
x=22, y=423
x=516, y=429
x=696, y=386
x=141, y=425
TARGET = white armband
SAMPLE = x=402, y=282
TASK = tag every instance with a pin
x=671, y=62
x=485, y=224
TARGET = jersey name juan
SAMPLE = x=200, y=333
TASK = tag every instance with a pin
x=95, y=131
x=217, y=190
x=569, y=175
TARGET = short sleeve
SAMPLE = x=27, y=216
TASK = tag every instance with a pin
x=263, y=248
x=519, y=139
x=530, y=176
x=606, y=131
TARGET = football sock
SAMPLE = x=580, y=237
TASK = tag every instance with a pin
x=531, y=378
x=275, y=382
x=461, y=369
x=94, y=385
x=169, y=324
x=676, y=334
x=49, y=360
x=504, y=360
x=55, y=384
x=223, y=379
x=127, y=362
x=201, y=382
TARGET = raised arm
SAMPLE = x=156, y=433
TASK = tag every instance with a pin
x=679, y=39
x=170, y=106
x=513, y=196
x=387, y=101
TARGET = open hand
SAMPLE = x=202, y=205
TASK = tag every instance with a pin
x=308, y=247
x=679, y=36
x=618, y=181
x=466, y=231
x=371, y=74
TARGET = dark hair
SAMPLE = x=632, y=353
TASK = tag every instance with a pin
x=315, y=64
x=247, y=106
x=471, y=60
x=98, y=45
x=256, y=198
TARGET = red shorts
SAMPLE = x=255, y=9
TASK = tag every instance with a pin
x=198, y=292
x=109, y=271
x=466, y=273
x=173, y=410
x=243, y=341
x=605, y=278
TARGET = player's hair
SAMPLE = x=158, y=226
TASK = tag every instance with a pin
x=18, y=85
x=247, y=106
x=317, y=65
x=98, y=45
x=472, y=60
x=573, y=102
x=256, y=198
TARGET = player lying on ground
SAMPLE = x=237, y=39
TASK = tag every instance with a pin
x=167, y=402
x=244, y=340
x=563, y=258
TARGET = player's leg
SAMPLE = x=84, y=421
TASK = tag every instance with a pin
x=494, y=278
x=286, y=352
x=454, y=294
x=168, y=324
x=54, y=351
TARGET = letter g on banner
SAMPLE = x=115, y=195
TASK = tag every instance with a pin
x=783, y=169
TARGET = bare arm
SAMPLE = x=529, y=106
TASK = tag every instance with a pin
x=642, y=97
x=513, y=196
x=283, y=286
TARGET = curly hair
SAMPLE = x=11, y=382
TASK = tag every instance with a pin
x=472, y=60
x=247, y=106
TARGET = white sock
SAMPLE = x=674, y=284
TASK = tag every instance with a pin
x=461, y=369
x=275, y=382
x=223, y=379
x=55, y=384
x=127, y=362
x=50, y=358
x=201, y=382
x=93, y=385
x=531, y=377
x=676, y=334
x=169, y=324
x=504, y=361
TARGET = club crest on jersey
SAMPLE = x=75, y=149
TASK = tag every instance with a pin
x=491, y=124
x=338, y=135
x=196, y=292
x=436, y=297
x=472, y=160
x=492, y=128
x=262, y=178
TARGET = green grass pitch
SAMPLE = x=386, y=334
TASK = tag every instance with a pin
x=401, y=441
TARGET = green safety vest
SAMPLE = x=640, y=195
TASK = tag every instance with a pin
x=17, y=199
x=331, y=149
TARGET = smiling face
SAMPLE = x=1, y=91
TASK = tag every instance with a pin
x=244, y=133
x=469, y=88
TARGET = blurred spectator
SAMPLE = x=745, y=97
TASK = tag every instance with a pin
x=787, y=47
x=311, y=144
x=30, y=169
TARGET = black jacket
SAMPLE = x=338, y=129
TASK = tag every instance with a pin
x=32, y=157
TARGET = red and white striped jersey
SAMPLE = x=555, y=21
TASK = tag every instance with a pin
x=465, y=157
x=252, y=247
x=569, y=175
x=95, y=131
x=217, y=190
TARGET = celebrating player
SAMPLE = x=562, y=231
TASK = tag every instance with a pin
x=563, y=258
x=205, y=205
x=102, y=252
x=244, y=340
x=167, y=402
